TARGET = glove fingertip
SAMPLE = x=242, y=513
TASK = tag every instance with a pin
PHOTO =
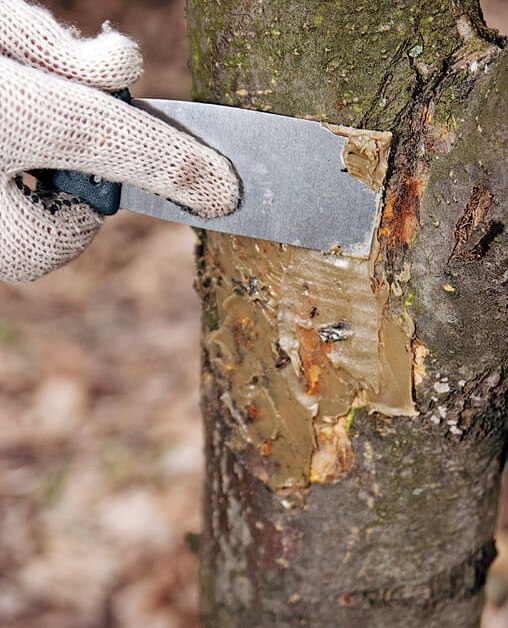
x=210, y=186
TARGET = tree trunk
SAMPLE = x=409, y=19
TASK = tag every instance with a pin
x=354, y=483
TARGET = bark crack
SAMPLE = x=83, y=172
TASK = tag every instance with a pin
x=474, y=233
x=385, y=82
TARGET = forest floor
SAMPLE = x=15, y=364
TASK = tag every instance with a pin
x=101, y=448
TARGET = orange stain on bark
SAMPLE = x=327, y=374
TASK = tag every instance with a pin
x=312, y=355
x=266, y=448
x=252, y=412
x=245, y=334
x=400, y=214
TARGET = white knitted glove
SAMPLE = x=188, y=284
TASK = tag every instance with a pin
x=52, y=117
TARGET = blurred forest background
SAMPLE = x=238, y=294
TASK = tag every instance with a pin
x=101, y=444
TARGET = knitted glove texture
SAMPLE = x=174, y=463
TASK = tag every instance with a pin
x=52, y=115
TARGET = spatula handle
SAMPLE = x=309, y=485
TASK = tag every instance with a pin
x=102, y=195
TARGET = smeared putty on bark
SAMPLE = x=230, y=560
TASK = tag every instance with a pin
x=282, y=380
x=303, y=339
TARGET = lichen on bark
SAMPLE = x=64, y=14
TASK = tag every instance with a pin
x=349, y=62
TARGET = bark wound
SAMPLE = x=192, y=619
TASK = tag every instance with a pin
x=300, y=393
x=336, y=348
x=400, y=215
x=473, y=232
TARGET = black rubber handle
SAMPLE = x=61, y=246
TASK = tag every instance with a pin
x=102, y=195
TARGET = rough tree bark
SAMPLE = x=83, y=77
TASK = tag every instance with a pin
x=330, y=499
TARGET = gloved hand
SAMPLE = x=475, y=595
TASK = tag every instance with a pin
x=52, y=115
